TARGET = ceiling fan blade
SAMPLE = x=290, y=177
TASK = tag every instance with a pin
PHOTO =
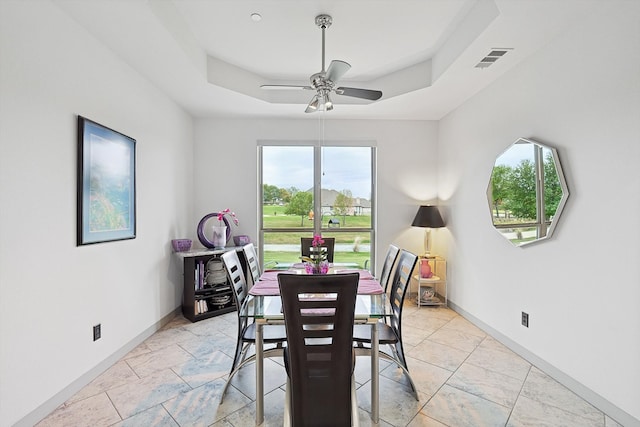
x=285, y=87
x=336, y=70
x=372, y=95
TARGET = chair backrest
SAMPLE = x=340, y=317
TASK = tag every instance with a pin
x=387, y=267
x=236, y=277
x=329, y=244
x=320, y=340
x=252, y=260
x=399, y=286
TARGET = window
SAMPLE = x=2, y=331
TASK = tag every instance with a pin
x=308, y=189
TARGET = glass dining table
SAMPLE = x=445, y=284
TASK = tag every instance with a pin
x=264, y=307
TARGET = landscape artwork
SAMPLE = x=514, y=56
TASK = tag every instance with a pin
x=106, y=184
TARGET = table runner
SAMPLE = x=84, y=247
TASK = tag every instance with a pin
x=268, y=283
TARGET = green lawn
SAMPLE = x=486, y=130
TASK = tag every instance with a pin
x=272, y=258
x=274, y=217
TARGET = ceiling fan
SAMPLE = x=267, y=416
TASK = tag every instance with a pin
x=324, y=82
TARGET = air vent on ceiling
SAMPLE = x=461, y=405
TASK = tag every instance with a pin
x=492, y=57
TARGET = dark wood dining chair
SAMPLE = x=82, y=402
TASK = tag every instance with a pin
x=273, y=334
x=319, y=357
x=252, y=261
x=387, y=267
x=329, y=244
x=390, y=334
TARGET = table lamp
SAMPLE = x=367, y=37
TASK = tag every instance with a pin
x=428, y=217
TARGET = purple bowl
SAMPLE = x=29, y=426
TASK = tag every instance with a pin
x=181, y=245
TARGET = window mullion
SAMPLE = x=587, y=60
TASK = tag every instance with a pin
x=317, y=188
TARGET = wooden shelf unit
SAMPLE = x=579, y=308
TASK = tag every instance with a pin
x=202, y=300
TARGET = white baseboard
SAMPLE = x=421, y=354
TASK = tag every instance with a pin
x=50, y=405
x=587, y=394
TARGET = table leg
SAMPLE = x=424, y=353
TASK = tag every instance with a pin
x=259, y=375
x=375, y=385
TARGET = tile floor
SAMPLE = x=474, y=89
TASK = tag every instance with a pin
x=464, y=378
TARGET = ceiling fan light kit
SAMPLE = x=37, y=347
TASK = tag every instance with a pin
x=324, y=82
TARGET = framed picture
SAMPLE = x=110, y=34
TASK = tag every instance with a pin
x=106, y=184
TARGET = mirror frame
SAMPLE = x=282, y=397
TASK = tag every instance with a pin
x=544, y=228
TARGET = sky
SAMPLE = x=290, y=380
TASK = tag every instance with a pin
x=518, y=152
x=344, y=168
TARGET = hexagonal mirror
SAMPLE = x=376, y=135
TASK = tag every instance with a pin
x=527, y=192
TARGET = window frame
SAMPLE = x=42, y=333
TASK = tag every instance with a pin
x=317, y=191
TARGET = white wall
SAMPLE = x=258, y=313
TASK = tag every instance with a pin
x=406, y=168
x=52, y=292
x=581, y=94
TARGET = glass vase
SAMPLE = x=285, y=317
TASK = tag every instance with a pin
x=219, y=236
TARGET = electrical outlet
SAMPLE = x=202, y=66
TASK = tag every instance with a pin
x=97, y=333
x=525, y=319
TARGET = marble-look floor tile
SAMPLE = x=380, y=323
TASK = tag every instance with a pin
x=427, y=378
x=167, y=337
x=364, y=418
x=491, y=344
x=438, y=354
x=164, y=358
x=397, y=403
x=197, y=372
x=541, y=387
x=424, y=322
x=412, y=336
x=132, y=398
x=507, y=363
x=456, y=338
x=91, y=412
x=458, y=408
x=201, y=346
x=138, y=350
x=362, y=370
x=439, y=312
x=201, y=406
x=222, y=423
x=187, y=363
x=177, y=322
x=118, y=374
x=422, y=420
x=244, y=380
x=211, y=327
x=461, y=324
x=528, y=412
x=490, y=385
x=273, y=411
x=156, y=416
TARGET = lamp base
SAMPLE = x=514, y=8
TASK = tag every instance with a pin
x=427, y=242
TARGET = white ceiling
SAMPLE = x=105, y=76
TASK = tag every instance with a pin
x=211, y=57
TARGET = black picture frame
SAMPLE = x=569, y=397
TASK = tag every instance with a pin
x=106, y=184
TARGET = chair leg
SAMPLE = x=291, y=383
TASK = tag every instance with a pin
x=238, y=362
x=365, y=351
x=272, y=352
x=287, y=404
x=355, y=416
x=406, y=373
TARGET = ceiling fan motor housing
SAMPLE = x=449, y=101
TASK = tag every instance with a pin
x=320, y=82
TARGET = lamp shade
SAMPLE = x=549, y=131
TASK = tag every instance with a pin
x=428, y=216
